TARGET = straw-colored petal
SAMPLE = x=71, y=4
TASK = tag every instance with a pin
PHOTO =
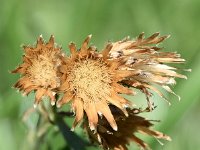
x=29, y=89
x=155, y=134
x=40, y=42
x=117, y=103
x=123, y=90
x=91, y=112
x=65, y=99
x=78, y=108
x=51, y=95
x=84, y=48
x=51, y=42
x=73, y=50
x=64, y=86
x=140, y=142
x=103, y=109
x=38, y=95
x=106, y=50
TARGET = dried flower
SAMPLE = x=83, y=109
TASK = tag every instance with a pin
x=148, y=63
x=39, y=70
x=92, y=80
x=127, y=128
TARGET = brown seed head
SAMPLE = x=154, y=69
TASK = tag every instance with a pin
x=127, y=129
x=39, y=70
x=89, y=80
x=43, y=72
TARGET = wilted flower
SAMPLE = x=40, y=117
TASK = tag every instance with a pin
x=92, y=80
x=39, y=70
x=144, y=58
x=127, y=129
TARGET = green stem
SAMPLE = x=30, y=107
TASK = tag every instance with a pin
x=75, y=142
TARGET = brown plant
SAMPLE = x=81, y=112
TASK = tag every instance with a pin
x=95, y=81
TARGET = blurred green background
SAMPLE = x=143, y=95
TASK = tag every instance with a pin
x=22, y=21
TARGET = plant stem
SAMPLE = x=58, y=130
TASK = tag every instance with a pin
x=75, y=142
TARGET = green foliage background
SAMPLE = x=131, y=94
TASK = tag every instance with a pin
x=22, y=21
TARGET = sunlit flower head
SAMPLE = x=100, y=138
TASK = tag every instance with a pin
x=128, y=127
x=39, y=70
x=90, y=81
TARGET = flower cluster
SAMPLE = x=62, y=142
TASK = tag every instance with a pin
x=95, y=82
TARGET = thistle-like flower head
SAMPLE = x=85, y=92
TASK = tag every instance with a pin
x=150, y=65
x=90, y=80
x=39, y=70
x=127, y=129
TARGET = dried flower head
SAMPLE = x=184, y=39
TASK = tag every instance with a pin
x=92, y=80
x=144, y=58
x=127, y=128
x=39, y=70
